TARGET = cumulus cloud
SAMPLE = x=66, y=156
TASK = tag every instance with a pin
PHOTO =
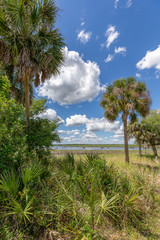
x=119, y=133
x=76, y=120
x=111, y=35
x=116, y=3
x=51, y=115
x=74, y=132
x=92, y=124
x=77, y=82
x=129, y=3
x=109, y=58
x=82, y=23
x=120, y=50
x=96, y=124
x=88, y=135
x=151, y=59
x=83, y=36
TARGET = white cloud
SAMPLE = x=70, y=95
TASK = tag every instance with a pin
x=83, y=36
x=138, y=75
x=120, y=50
x=74, y=132
x=119, y=133
x=96, y=124
x=76, y=120
x=84, y=137
x=88, y=135
x=151, y=59
x=111, y=35
x=61, y=131
x=51, y=115
x=77, y=82
x=92, y=124
x=109, y=58
x=116, y=3
x=82, y=23
x=129, y=3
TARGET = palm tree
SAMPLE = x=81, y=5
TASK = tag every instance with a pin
x=129, y=97
x=135, y=130
x=30, y=45
x=151, y=131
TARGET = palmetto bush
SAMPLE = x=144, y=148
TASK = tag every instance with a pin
x=71, y=198
x=19, y=191
x=89, y=191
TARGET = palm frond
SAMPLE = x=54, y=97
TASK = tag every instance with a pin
x=9, y=183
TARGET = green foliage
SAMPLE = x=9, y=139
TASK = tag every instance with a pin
x=42, y=132
x=129, y=97
x=38, y=106
x=148, y=130
x=91, y=192
x=151, y=128
x=14, y=142
x=19, y=189
x=30, y=44
x=12, y=137
x=9, y=183
x=75, y=199
x=4, y=87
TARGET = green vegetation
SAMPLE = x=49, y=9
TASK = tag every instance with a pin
x=69, y=196
x=14, y=145
x=46, y=195
x=30, y=45
x=129, y=97
x=147, y=132
x=76, y=197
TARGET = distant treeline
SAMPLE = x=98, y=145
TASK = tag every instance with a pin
x=96, y=145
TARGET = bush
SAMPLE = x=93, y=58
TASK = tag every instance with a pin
x=15, y=144
x=78, y=198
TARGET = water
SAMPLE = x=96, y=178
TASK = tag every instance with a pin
x=90, y=148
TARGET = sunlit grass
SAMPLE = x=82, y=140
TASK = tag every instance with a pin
x=147, y=171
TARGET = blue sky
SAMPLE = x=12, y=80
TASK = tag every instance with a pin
x=105, y=40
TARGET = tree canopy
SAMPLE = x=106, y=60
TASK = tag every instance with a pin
x=129, y=97
x=30, y=44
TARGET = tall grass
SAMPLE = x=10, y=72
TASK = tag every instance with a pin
x=79, y=198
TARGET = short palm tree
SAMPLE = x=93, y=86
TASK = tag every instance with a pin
x=129, y=97
x=135, y=130
x=30, y=45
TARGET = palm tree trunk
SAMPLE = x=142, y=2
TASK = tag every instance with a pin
x=26, y=88
x=140, y=148
x=154, y=150
x=126, y=138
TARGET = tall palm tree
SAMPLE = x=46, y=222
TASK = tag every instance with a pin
x=30, y=45
x=129, y=97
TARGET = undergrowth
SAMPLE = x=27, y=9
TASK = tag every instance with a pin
x=75, y=198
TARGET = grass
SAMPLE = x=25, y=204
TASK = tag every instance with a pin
x=142, y=173
x=91, y=196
